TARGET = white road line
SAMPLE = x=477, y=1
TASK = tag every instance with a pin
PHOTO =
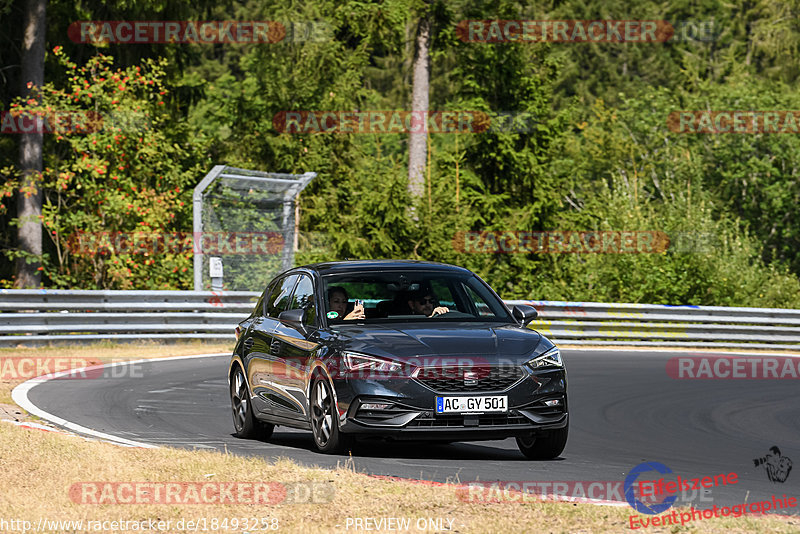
x=20, y=396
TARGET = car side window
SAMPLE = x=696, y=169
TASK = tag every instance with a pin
x=265, y=299
x=481, y=306
x=279, y=296
x=259, y=310
x=304, y=298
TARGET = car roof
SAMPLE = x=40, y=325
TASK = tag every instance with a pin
x=342, y=267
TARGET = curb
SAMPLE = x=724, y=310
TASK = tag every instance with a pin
x=20, y=396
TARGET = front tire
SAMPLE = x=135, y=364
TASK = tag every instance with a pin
x=325, y=421
x=244, y=422
x=546, y=446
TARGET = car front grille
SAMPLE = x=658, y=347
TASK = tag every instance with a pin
x=469, y=379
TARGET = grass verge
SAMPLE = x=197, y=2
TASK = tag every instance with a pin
x=41, y=468
x=42, y=471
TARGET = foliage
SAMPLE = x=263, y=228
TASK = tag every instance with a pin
x=115, y=164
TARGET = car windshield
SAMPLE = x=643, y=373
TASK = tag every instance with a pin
x=402, y=296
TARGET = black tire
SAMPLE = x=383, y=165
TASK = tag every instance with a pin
x=244, y=422
x=325, y=421
x=544, y=446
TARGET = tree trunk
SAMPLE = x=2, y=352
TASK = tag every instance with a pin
x=29, y=198
x=417, y=143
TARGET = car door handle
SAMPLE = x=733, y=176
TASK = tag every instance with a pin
x=275, y=347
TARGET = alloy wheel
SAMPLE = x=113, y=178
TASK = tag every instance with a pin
x=322, y=413
x=239, y=401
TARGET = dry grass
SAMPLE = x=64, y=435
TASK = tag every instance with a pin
x=40, y=467
x=97, y=353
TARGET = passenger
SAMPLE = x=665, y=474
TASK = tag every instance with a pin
x=337, y=302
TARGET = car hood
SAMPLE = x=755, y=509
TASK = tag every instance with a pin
x=443, y=339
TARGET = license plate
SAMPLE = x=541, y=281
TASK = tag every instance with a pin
x=498, y=403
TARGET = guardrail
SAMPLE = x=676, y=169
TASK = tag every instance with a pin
x=35, y=317
x=595, y=323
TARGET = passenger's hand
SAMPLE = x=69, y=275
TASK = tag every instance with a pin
x=357, y=313
x=439, y=310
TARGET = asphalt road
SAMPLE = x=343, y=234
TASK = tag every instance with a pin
x=624, y=410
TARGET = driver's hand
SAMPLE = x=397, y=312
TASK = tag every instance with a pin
x=357, y=313
x=439, y=310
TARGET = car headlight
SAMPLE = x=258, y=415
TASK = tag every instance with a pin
x=551, y=358
x=357, y=362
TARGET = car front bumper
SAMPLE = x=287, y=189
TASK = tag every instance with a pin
x=411, y=412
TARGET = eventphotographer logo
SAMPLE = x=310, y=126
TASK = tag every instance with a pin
x=630, y=485
x=776, y=465
x=656, y=496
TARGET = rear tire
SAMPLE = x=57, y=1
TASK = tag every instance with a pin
x=545, y=446
x=328, y=439
x=245, y=424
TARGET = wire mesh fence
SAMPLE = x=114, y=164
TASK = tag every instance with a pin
x=245, y=227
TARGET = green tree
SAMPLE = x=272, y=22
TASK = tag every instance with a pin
x=117, y=163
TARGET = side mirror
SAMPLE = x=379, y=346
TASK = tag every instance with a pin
x=524, y=313
x=295, y=318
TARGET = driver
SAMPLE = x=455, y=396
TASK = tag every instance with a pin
x=423, y=302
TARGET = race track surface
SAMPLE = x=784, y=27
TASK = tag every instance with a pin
x=624, y=410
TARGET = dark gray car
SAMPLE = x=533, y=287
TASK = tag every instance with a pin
x=399, y=350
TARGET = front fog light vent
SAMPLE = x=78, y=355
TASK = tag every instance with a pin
x=555, y=402
x=375, y=406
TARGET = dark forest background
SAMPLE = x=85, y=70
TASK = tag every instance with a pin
x=597, y=156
